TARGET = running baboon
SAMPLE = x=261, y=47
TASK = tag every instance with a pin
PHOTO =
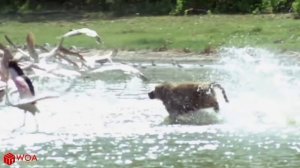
x=187, y=97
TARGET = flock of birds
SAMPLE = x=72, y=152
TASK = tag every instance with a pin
x=18, y=65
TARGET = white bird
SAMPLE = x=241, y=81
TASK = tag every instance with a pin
x=126, y=69
x=107, y=57
x=26, y=91
x=49, y=54
x=85, y=31
x=100, y=59
x=2, y=85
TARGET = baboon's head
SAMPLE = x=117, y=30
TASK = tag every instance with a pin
x=160, y=92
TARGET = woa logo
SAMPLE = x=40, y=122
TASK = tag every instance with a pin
x=11, y=158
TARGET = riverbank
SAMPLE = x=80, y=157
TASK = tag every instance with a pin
x=160, y=56
x=170, y=56
x=200, y=34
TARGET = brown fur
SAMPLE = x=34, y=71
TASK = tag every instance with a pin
x=187, y=97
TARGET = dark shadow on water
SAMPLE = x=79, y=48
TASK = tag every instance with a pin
x=200, y=117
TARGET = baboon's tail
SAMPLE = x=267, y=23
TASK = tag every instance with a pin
x=214, y=84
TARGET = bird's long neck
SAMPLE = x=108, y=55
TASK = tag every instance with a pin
x=13, y=74
x=23, y=83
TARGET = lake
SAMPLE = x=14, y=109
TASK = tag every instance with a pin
x=107, y=119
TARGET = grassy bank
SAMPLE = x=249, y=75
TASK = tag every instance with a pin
x=194, y=33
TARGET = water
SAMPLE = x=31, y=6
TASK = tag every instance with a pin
x=108, y=120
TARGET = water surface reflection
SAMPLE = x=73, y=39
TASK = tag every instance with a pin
x=108, y=121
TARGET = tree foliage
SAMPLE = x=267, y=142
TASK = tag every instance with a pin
x=152, y=7
x=296, y=8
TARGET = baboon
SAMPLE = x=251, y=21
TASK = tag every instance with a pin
x=187, y=97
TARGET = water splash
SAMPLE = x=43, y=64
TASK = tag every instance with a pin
x=108, y=121
x=263, y=87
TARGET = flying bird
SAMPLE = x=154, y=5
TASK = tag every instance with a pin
x=126, y=69
x=85, y=31
x=30, y=39
x=93, y=61
x=5, y=55
x=106, y=58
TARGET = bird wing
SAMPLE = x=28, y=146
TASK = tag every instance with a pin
x=72, y=53
x=127, y=69
x=4, y=63
x=2, y=85
x=88, y=32
x=51, y=53
x=31, y=46
x=103, y=58
x=24, y=88
x=85, y=31
x=19, y=50
x=34, y=99
x=10, y=41
x=71, y=33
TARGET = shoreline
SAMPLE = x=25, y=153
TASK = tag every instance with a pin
x=169, y=56
x=157, y=56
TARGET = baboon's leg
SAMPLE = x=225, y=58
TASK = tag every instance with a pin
x=216, y=107
x=173, y=118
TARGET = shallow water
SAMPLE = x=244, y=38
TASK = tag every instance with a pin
x=107, y=120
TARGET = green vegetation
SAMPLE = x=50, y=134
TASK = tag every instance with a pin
x=296, y=8
x=150, y=7
x=184, y=33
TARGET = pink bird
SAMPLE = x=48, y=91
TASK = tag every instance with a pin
x=26, y=91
